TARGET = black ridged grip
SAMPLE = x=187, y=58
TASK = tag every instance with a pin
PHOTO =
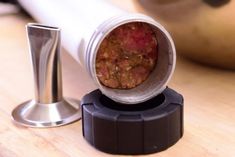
x=144, y=128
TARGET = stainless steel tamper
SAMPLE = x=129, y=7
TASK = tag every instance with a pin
x=49, y=108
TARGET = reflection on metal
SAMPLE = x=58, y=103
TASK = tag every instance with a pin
x=49, y=108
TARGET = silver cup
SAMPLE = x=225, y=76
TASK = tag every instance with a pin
x=49, y=108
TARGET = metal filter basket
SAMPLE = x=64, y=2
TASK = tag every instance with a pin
x=158, y=78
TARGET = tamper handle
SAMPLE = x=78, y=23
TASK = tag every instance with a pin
x=44, y=44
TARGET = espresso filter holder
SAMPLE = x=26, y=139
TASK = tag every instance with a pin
x=49, y=108
x=141, y=120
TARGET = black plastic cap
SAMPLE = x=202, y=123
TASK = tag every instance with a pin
x=144, y=128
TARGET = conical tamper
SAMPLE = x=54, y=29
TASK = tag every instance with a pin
x=49, y=108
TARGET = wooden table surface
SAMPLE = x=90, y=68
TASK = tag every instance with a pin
x=209, y=124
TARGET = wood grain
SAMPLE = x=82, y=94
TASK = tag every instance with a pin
x=209, y=104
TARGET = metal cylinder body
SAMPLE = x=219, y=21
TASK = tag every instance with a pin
x=44, y=43
x=158, y=78
x=84, y=26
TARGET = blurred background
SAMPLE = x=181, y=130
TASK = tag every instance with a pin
x=203, y=30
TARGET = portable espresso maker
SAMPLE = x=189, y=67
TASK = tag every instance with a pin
x=141, y=120
x=145, y=119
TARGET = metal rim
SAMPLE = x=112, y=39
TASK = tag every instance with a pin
x=103, y=30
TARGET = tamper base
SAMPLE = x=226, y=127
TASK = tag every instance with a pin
x=32, y=114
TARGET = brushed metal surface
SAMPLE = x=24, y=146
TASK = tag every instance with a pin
x=49, y=108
